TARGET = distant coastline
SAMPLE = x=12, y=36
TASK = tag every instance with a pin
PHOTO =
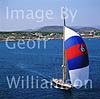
x=55, y=32
x=10, y=40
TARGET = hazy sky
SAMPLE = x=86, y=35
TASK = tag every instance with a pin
x=78, y=13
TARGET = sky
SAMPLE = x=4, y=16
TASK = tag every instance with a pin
x=33, y=14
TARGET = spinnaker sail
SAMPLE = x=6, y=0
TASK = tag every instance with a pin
x=76, y=57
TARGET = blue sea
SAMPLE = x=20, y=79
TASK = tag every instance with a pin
x=41, y=64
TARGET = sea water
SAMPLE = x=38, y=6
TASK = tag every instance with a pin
x=43, y=64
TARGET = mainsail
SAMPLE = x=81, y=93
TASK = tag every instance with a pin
x=76, y=57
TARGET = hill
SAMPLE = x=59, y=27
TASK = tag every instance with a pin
x=60, y=29
x=56, y=29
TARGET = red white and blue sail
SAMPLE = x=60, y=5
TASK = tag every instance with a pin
x=77, y=58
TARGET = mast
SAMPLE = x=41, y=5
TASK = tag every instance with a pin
x=64, y=59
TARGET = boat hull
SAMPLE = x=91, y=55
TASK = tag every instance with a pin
x=60, y=85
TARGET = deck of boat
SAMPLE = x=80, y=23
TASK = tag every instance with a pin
x=58, y=83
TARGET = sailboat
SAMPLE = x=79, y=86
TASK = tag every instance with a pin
x=75, y=61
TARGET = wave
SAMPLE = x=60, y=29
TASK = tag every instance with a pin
x=22, y=66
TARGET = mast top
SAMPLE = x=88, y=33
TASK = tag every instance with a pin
x=64, y=16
